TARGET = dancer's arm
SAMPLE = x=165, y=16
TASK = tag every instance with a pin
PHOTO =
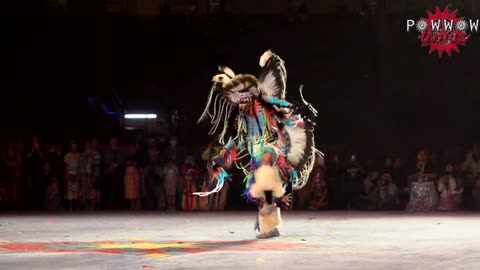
x=227, y=154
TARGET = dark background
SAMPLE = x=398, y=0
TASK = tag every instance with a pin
x=372, y=82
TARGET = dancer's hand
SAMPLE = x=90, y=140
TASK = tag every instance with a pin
x=213, y=176
x=222, y=153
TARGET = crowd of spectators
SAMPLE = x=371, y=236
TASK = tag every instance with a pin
x=155, y=174
x=161, y=174
x=430, y=183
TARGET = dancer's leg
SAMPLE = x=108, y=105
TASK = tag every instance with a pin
x=268, y=224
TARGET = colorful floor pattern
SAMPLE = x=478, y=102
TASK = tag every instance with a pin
x=160, y=249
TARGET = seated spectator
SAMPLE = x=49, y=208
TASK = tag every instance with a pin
x=52, y=195
x=368, y=199
x=450, y=187
x=319, y=199
x=471, y=170
x=423, y=193
x=171, y=175
x=133, y=178
x=400, y=179
x=387, y=193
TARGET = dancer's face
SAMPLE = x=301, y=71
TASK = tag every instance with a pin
x=245, y=100
x=245, y=104
x=243, y=107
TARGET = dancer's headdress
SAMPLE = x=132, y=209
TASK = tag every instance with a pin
x=229, y=89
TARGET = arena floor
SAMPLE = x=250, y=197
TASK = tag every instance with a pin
x=225, y=240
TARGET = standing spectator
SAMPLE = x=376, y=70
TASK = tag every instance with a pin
x=399, y=174
x=216, y=201
x=202, y=202
x=73, y=176
x=35, y=166
x=423, y=193
x=12, y=174
x=133, y=178
x=353, y=179
x=24, y=178
x=302, y=197
x=400, y=179
x=190, y=173
x=471, y=170
x=162, y=146
x=210, y=151
x=334, y=183
x=91, y=174
x=54, y=157
x=112, y=187
x=3, y=195
x=434, y=161
x=96, y=187
x=450, y=188
x=388, y=165
x=175, y=152
x=171, y=174
x=155, y=188
x=52, y=194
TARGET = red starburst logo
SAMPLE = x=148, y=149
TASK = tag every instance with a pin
x=441, y=32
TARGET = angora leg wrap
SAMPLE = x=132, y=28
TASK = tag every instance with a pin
x=267, y=178
x=269, y=223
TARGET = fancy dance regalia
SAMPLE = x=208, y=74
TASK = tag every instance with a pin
x=263, y=135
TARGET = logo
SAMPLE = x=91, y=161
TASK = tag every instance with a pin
x=443, y=31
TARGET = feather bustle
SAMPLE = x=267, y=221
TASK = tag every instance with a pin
x=264, y=58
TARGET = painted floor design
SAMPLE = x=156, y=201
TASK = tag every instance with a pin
x=323, y=240
x=158, y=249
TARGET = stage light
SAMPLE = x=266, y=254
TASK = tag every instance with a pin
x=140, y=116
